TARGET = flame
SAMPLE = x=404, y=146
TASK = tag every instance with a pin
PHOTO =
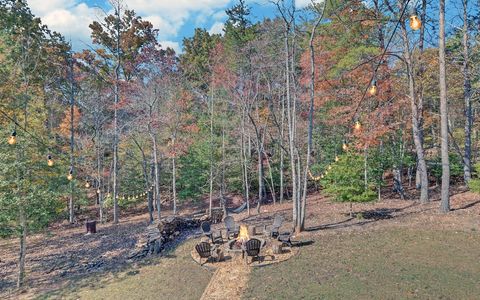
x=243, y=234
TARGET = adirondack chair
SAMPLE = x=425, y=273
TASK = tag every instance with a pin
x=232, y=228
x=215, y=236
x=272, y=230
x=204, y=250
x=252, y=248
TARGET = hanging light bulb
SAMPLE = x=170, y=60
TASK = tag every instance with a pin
x=50, y=161
x=87, y=184
x=345, y=146
x=321, y=176
x=70, y=174
x=12, y=140
x=357, y=126
x=337, y=158
x=326, y=173
x=372, y=90
x=98, y=191
x=415, y=22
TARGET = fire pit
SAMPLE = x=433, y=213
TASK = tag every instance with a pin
x=272, y=251
x=237, y=245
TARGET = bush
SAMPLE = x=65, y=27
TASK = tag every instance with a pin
x=345, y=180
x=456, y=166
x=474, y=183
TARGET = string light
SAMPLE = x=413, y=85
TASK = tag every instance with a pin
x=12, y=140
x=337, y=158
x=329, y=167
x=98, y=191
x=87, y=184
x=50, y=162
x=372, y=90
x=415, y=22
x=357, y=126
x=345, y=146
x=70, y=174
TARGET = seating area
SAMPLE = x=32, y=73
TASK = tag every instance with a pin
x=230, y=241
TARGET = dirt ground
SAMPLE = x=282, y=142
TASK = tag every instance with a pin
x=64, y=254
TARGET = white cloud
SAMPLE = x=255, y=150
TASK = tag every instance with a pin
x=72, y=17
x=171, y=44
x=177, y=12
x=217, y=28
x=66, y=17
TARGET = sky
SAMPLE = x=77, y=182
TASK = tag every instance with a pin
x=175, y=19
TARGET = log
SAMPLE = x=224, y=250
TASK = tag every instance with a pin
x=91, y=227
x=277, y=247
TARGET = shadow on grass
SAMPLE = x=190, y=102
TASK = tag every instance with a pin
x=367, y=217
x=467, y=206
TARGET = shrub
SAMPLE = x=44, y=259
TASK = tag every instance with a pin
x=345, y=180
x=474, y=183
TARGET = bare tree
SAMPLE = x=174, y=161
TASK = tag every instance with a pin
x=445, y=197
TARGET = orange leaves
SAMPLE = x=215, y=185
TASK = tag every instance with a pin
x=65, y=126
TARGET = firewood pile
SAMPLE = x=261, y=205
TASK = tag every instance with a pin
x=158, y=235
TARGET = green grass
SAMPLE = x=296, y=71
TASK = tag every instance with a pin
x=176, y=276
x=387, y=264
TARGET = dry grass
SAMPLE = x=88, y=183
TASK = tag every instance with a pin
x=174, y=276
x=394, y=249
x=390, y=263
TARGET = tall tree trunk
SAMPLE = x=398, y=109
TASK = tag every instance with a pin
x=282, y=154
x=157, y=174
x=291, y=124
x=301, y=220
x=223, y=184
x=420, y=91
x=115, y=117
x=210, y=202
x=445, y=197
x=99, y=179
x=246, y=183
x=417, y=139
x=23, y=247
x=174, y=179
x=272, y=182
x=467, y=95
x=146, y=181
x=72, y=104
x=260, y=176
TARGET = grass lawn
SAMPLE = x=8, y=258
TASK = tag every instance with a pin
x=380, y=264
x=175, y=276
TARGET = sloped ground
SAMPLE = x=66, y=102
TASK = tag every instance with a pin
x=403, y=247
x=387, y=263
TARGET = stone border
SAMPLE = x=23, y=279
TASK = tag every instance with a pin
x=216, y=265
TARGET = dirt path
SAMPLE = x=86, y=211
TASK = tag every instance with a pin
x=228, y=282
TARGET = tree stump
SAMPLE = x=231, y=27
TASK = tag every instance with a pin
x=277, y=247
x=219, y=255
x=91, y=227
x=252, y=231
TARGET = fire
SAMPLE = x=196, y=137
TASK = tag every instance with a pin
x=243, y=234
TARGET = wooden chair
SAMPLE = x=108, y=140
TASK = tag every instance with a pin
x=215, y=236
x=252, y=249
x=232, y=228
x=273, y=230
x=204, y=250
